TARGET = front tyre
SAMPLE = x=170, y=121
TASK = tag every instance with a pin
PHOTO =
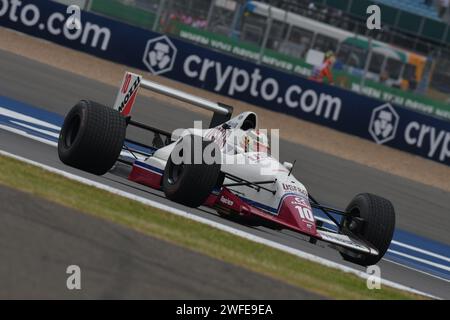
x=91, y=137
x=190, y=183
x=377, y=229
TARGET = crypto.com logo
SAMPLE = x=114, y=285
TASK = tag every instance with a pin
x=383, y=124
x=160, y=55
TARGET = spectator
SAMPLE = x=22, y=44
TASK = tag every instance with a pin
x=384, y=77
x=443, y=7
x=325, y=70
x=312, y=6
x=311, y=10
x=412, y=83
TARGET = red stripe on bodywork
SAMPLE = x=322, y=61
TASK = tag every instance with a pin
x=146, y=177
x=288, y=216
x=126, y=83
x=127, y=109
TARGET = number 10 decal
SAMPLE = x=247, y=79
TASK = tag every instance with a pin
x=305, y=213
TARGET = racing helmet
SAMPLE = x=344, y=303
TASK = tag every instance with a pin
x=255, y=141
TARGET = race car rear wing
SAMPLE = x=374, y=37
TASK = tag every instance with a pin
x=132, y=82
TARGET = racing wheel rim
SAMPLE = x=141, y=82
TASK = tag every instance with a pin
x=175, y=173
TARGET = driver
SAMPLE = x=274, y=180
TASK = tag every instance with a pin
x=254, y=140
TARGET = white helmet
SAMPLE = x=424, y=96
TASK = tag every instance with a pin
x=255, y=141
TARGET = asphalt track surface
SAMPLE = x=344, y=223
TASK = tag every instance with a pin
x=420, y=209
x=115, y=262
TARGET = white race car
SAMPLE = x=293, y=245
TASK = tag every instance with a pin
x=227, y=166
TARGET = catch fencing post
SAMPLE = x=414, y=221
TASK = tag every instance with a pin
x=366, y=67
x=88, y=5
x=158, y=15
x=210, y=13
x=266, y=35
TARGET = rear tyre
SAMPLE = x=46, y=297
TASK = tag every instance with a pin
x=378, y=228
x=91, y=137
x=188, y=183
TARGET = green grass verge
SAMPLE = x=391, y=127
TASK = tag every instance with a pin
x=311, y=276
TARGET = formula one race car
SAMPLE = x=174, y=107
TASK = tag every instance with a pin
x=228, y=167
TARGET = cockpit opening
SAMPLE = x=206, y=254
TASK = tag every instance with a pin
x=249, y=123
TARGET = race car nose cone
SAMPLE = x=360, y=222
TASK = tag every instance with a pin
x=296, y=211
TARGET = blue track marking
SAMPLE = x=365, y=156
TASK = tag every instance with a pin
x=407, y=249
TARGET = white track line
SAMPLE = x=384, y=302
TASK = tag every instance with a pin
x=429, y=253
x=417, y=270
x=29, y=119
x=437, y=265
x=47, y=132
x=237, y=232
x=405, y=255
x=29, y=136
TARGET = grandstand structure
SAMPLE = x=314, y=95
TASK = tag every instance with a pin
x=420, y=7
x=406, y=23
x=409, y=25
